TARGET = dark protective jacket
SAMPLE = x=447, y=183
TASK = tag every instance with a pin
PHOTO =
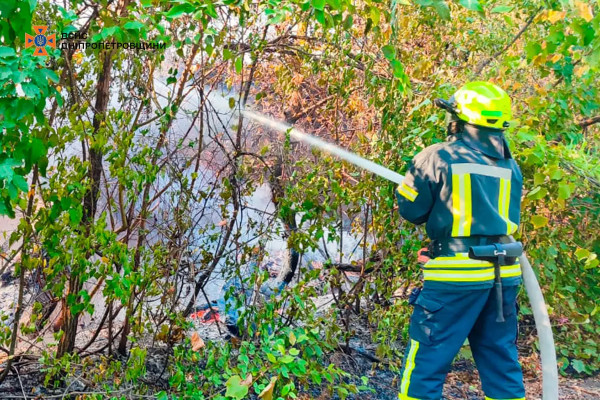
x=467, y=186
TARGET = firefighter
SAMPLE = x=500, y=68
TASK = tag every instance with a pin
x=467, y=191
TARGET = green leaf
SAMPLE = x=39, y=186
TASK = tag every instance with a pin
x=294, y=351
x=537, y=193
x=231, y=102
x=235, y=389
x=179, y=10
x=398, y=69
x=7, y=6
x=211, y=11
x=585, y=31
x=5, y=73
x=69, y=29
x=50, y=75
x=6, y=168
x=75, y=215
x=162, y=396
x=320, y=16
x=133, y=25
x=7, y=52
x=389, y=52
x=564, y=191
x=335, y=4
x=532, y=49
x=20, y=183
x=472, y=5
x=318, y=4
x=582, y=253
x=578, y=366
x=38, y=149
x=375, y=15
x=555, y=174
x=424, y=3
x=286, y=389
x=12, y=191
x=502, y=9
x=287, y=359
x=30, y=89
x=238, y=64
x=442, y=9
x=539, y=221
x=96, y=38
x=348, y=22
x=110, y=31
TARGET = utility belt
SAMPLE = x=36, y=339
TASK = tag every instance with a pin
x=450, y=246
x=465, y=259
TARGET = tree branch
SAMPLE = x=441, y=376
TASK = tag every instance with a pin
x=584, y=123
x=514, y=39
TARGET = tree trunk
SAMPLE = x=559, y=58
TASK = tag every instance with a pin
x=90, y=201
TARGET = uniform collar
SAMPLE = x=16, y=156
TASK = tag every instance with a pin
x=488, y=141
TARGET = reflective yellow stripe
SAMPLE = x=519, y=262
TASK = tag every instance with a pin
x=407, y=192
x=461, y=205
x=406, y=195
x=458, y=264
x=516, y=398
x=402, y=396
x=510, y=271
x=459, y=276
x=466, y=276
x=459, y=279
x=408, y=369
x=460, y=261
x=456, y=204
x=409, y=189
x=468, y=207
x=502, y=198
x=504, y=206
x=459, y=256
x=466, y=272
x=512, y=275
x=460, y=268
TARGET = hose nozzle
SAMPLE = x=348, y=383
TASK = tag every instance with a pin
x=445, y=105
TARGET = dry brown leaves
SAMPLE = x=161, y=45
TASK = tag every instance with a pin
x=267, y=393
x=197, y=342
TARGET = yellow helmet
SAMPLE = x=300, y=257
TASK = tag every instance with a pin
x=483, y=104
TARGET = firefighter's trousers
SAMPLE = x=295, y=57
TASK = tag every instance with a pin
x=441, y=322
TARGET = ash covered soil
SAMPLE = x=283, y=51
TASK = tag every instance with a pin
x=26, y=380
x=462, y=382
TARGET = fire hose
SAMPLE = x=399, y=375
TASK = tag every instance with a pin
x=532, y=287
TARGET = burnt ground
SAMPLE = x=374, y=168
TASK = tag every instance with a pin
x=383, y=381
x=462, y=383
